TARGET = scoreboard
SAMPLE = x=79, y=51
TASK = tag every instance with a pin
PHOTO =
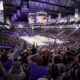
x=38, y=18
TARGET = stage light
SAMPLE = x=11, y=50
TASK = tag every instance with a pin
x=20, y=25
x=32, y=28
x=76, y=13
x=77, y=27
x=49, y=19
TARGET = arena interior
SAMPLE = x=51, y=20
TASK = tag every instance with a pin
x=39, y=39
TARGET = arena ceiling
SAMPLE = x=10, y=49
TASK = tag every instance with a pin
x=51, y=6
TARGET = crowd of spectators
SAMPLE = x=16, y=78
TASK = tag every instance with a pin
x=40, y=63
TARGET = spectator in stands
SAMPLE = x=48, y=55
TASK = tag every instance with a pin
x=36, y=71
x=16, y=72
x=77, y=72
x=34, y=50
x=3, y=72
x=7, y=63
x=57, y=68
x=68, y=57
x=45, y=58
x=26, y=70
x=39, y=63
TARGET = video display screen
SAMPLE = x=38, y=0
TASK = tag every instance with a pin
x=41, y=19
x=37, y=18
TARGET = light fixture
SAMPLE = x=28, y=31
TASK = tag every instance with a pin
x=77, y=27
x=76, y=13
x=32, y=28
x=20, y=25
x=59, y=18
